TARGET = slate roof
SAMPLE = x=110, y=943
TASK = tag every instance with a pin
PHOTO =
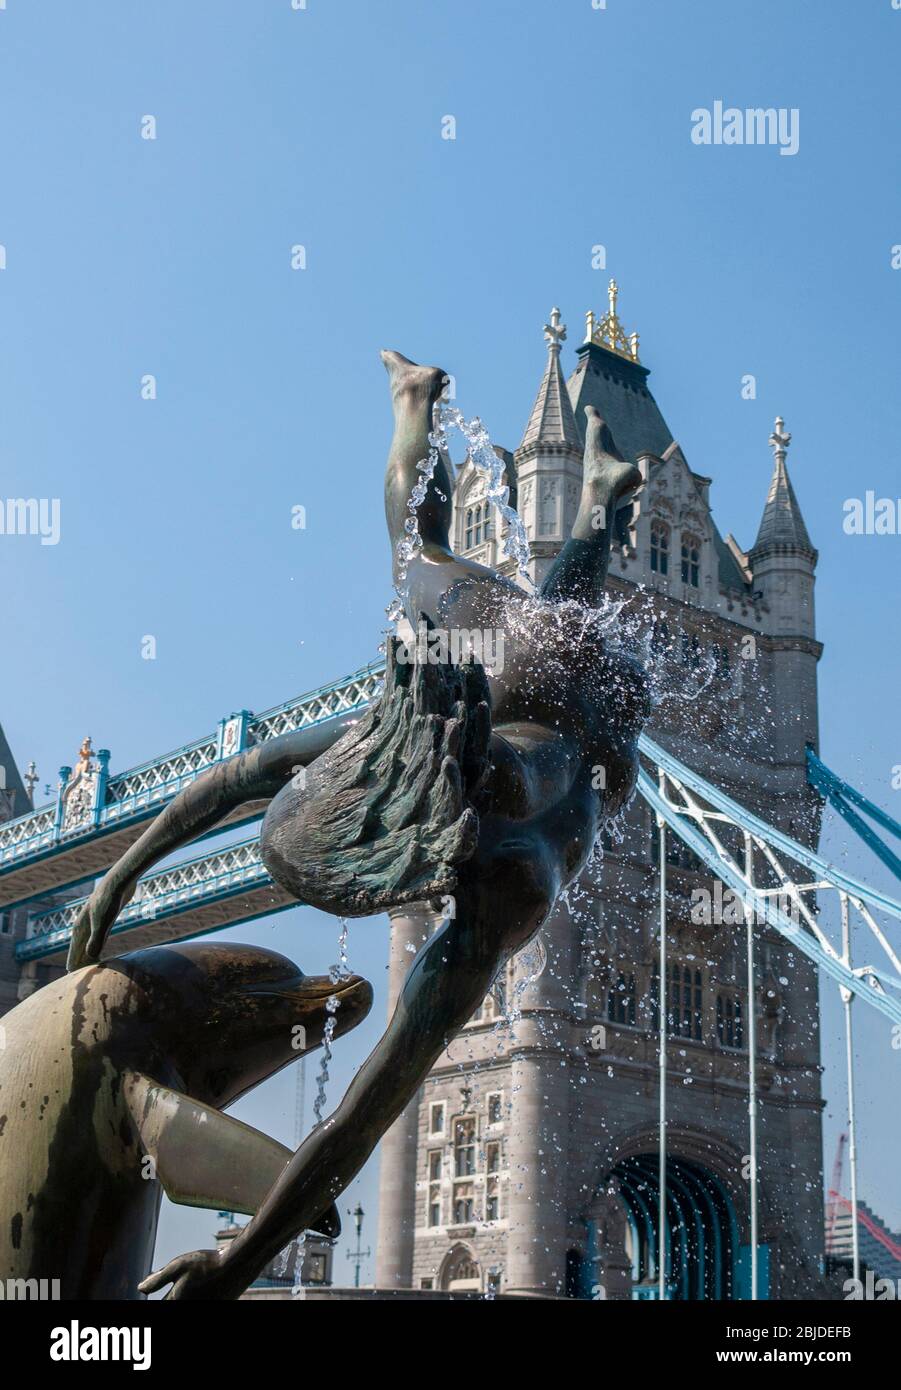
x=14, y=783
x=552, y=420
x=782, y=525
x=730, y=573
x=618, y=388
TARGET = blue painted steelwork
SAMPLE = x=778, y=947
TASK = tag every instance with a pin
x=810, y=860
x=588, y=1287
x=643, y=1221
x=793, y=933
x=743, y=1273
x=141, y=792
x=701, y=1229
x=703, y=1267
x=842, y=796
x=165, y=894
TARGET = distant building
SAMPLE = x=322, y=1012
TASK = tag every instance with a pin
x=15, y=801
x=879, y=1246
x=530, y=1167
x=280, y=1278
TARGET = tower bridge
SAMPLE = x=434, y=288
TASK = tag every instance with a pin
x=95, y=816
x=696, y=1045
x=224, y=887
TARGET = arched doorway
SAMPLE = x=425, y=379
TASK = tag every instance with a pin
x=460, y=1271
x=701, y=1231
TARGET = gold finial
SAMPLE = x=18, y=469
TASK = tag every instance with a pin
x=609, y=332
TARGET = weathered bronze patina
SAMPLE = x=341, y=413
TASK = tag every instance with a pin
x=112, y=1085
x=487, y=786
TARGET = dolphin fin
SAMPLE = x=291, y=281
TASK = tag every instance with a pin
x=202, y=1157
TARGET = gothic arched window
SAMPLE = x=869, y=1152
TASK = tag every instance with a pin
x=659, y=547
x=684, y=1002
x=461, y=1270
x=465, y=1147
x=467, y=534
x=691, y=560
x=728, y=1021
x=621, y=999
x=433, y=1204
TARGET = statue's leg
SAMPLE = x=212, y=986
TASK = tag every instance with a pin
x=256, y=775
x=434, y=569
x=511, y=894
x=580, y=570
x=414, y=393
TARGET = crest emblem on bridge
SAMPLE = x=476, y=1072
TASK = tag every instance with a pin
x=81, y=789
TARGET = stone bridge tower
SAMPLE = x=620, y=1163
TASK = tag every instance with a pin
x=527, y=1164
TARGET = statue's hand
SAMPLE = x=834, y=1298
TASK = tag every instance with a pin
x=91, y=928
x=200, y=1275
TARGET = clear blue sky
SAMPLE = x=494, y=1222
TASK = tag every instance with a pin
x=323, y=127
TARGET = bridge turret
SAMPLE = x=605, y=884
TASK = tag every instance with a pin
x=782, y=563
x=549, y=459
x=783, y=559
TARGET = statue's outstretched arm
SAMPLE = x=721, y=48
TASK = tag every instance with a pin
x=255, y=775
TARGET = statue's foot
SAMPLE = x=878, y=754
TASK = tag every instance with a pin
x=412, y=382
x=607, y=476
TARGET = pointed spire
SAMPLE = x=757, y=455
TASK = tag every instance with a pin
x=782, y=525
x=552, y=420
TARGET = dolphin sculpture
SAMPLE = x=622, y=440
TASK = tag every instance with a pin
x=113, y=1080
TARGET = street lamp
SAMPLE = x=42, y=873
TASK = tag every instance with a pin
x=359, y=1254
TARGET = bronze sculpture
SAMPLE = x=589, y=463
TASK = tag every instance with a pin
x=112, y=1085
x=488, y=786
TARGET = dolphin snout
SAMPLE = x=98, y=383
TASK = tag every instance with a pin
x=309, y=996
x=354, y=995
x=319, y=988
